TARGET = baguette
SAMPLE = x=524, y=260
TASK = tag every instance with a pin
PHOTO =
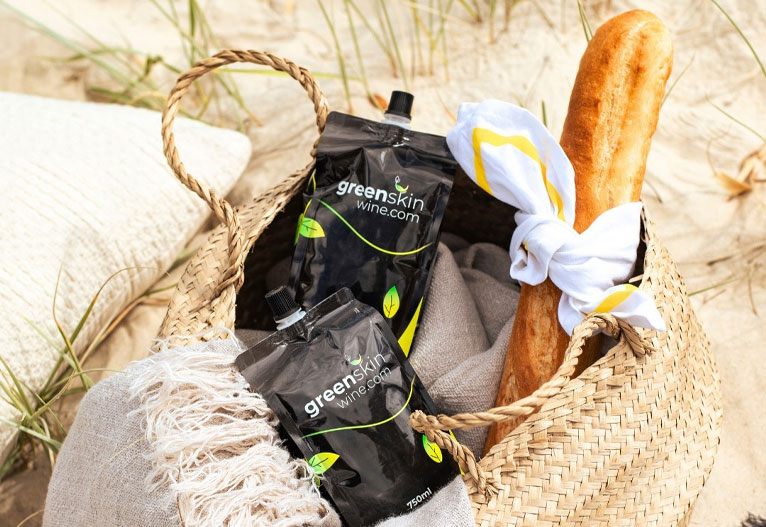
x=613, y=113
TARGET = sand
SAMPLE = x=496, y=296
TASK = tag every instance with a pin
x=713, y=238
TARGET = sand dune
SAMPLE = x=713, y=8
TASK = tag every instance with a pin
x=713, y=238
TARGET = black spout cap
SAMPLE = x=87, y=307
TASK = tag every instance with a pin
x=281, y=303
x=400, y=104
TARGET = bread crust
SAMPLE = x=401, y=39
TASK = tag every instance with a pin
x=613, y=113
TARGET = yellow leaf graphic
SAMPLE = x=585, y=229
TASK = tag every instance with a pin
x=310, y=228
x=432, y=449
x=391, y=302
x=322, y=461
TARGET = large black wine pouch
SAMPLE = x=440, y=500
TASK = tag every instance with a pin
x=372, y=214
x=344, y=391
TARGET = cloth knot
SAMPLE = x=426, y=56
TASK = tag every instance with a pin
x=511, y=155
x=534, y=244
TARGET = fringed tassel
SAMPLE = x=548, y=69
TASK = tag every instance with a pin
x=216, y=444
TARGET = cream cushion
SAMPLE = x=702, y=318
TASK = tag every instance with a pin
x=85, y=189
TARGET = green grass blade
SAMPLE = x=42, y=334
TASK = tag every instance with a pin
x=394, y=39
x=93, y=301
x=357, y=50
x=52, y=443
x=11, y=398
x=40, y=332
x=70, y=353
x=417, y=55
x=443, y=14
x=10, y=461
x=473, y=13
x=192, y=19
x=719, y=284
x=383, y=45
x=749, y=45
x=117, y=75
x=60, y=382
x=584, y=20
x=743, y=125
x=23, y=404
x=102, y=48
x=339, y=53
x=492, y=9
x=673, y=85
x=55, y=346
x=42, y=409
x=433, y=43
x=275, y=73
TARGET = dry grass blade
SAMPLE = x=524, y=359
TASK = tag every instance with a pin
x=733, y=187
x=33, y=515
x=378, y=101
x=753, y=167
x=749, y=168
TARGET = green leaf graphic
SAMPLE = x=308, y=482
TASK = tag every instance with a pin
x=310, y=228
x=322, y=461
x=356, y=361
x=402, y=189
x=391, y=302
x=432, y=449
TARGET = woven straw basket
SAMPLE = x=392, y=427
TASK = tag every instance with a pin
x=630, y=441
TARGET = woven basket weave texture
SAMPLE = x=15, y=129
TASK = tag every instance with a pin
x=630, y=441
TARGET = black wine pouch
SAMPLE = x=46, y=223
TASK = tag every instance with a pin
x=372, y=214
x=343, y=391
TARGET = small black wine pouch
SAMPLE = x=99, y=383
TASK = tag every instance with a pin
x=371, y=221
x=344, y=392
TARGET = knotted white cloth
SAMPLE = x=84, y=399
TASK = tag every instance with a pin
x=511, y=155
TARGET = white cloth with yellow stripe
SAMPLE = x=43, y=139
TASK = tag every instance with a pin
x=511, y=155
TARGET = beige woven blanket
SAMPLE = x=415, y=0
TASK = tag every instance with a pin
x=180, y=431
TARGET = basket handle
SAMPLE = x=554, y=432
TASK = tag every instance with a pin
x=232, y=274
x=435, y=427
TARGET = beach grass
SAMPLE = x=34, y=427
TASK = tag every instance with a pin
x=757, y=60
x=749, y=259
x=39, y=426
x=412, y=35
x=142, y=78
